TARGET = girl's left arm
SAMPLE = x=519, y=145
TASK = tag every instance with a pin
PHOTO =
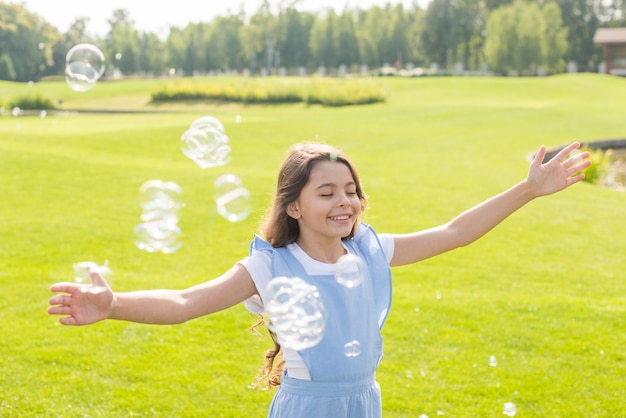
x=543, y=179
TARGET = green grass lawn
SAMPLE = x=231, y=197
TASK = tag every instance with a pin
x=544, y=293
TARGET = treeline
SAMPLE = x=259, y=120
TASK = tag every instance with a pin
x=523, y=37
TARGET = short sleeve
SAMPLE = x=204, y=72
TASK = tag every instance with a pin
x=388, y=246
x=259, y=267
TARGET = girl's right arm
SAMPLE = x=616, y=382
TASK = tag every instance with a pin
x=150, y=306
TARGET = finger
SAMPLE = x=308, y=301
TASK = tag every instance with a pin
x=60, y=300
x=539, y=156
x=67, y=320
x=575, y=179
x=562, y=155
x=65, y=287
x=575, y=168
x=59, y=310
x=96, y=277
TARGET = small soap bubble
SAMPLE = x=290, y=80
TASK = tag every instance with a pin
x=158, y=236
x=43, y=114
x=16, y=111
x=296, y=311
x=84, y=65
x=352, y=349
x=350, y=270
x=509, y=409
x=81, y=275
x=233, y=201
x=493, y=362
x=238, y=119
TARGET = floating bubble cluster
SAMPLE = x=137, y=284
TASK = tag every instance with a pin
x=81, y=275
x=161, y=204
x=206, y=143
x=296, y=311
x=84, y=65
x=233, y=201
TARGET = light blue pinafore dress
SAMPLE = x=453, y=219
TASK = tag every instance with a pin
x=343, y=382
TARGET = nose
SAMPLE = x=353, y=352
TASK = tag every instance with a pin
x=344, y=200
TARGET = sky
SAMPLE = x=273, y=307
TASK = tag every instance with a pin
x=157, y=16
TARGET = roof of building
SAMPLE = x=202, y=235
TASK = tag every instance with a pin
x=610, y=36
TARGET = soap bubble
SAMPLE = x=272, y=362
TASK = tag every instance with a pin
x=81, y=275
x=493, y=362
x=84, y=65
x=232, y=199
x=509, y=409
x=350, y=270
x=158, y=236
x=160, y=205
x=16, y=111
x=296, y=311
x=161, y=200
x=206, y=147
x=352, y=349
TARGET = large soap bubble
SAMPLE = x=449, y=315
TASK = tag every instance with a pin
x=84, y=65
x=296, y=311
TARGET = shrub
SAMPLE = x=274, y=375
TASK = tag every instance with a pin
x=326, y=92
x=601, y=159
x=32, y=102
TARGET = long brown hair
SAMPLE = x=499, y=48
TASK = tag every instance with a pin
x=280, y=229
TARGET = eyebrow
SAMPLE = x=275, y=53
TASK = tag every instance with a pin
x=351, y=183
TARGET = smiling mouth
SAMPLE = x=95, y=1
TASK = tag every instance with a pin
x=340, y=218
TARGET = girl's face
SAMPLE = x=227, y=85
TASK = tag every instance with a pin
x=328, y=205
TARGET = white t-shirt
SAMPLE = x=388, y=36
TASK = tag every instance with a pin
x=260, y=269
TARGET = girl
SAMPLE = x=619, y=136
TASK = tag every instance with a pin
x=312, y=223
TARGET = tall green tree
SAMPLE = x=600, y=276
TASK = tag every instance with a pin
x=581, y=21
x=346, y=39
x=440, y=35
x=554, y=39
x=522, y=37
x=27, y=40
x=122, y=42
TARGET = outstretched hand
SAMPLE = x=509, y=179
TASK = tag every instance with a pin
x=80, y=306
x=560, y=172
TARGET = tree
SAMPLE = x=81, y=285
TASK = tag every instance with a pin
x=521, y=37
x=581, y=21
x=346, y=39
x=501, y=40
x=7, y=72
x=27, y=40
x=555, y=38
x=122, y=42
x=440, y=32
x=151, y=56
